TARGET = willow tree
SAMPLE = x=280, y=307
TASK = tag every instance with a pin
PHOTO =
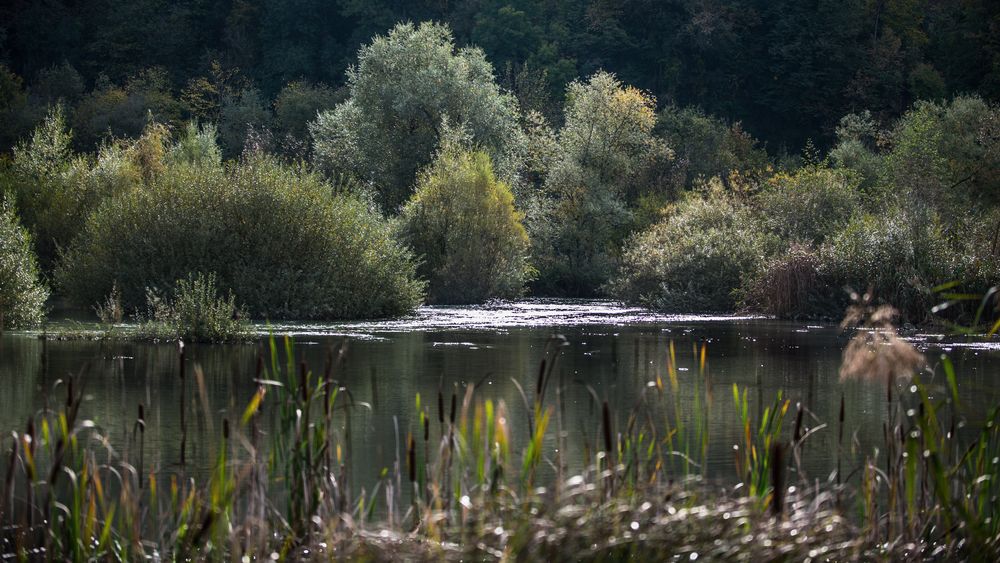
x=406, y=87
x=606, y=145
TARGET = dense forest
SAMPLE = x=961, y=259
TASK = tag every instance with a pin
x=333, y=160
x=788, y=70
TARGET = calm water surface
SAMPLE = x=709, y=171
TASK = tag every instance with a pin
x=612, y=352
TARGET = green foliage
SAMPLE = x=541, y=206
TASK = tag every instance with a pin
x=296, y=105
x=706, y=146
x=113, y=112
x=947, y=154
x=58, y=84
x=697, y=257
x=195, y=312
x=810, y=204
x=196, y=146
x=22, y=295
x=56, y=190
x=405, y=86
x=894, y=256
x=462, y=223
x=579, y=221
x=271, y=233
x=240, y=115
x=17, y=115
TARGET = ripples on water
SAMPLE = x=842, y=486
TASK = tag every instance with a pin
x=533, y=313
x=612, y=352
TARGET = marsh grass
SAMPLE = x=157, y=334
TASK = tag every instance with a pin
x=469, y=487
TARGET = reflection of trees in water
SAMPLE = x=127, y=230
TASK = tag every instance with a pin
x=616, y=363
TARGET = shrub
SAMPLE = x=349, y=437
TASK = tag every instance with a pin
x=810, y=204
x=900, y=260
x=462, y=221
x=273, y=234
x=195, y=312
x=296, y=105
x=55, y=190
x=196, y=145
x=789, y=285
x=22, y=295
x=696, y=257
x=240, y=115
x=112, y=112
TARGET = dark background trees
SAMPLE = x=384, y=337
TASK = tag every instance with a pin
x=786, y=69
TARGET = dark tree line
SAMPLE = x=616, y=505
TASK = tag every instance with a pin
x=788, y=69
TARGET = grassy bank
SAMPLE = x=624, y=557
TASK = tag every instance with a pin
x=463, y=485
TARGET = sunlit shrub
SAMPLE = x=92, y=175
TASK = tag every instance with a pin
x=808, y=205
x=22, y=295
x=463, y=224
x=603, y=151
x=898, y=259
x=272, y=234
x=195, y=312
x=55, y=190
x=696, y=257
x=196, y=145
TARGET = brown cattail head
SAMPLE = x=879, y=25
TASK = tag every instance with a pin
x=454, y=406
x=440, y=407
x=606, y=416
x=777, y=478
x=225, y=428
x=540, y=384
x=411, y=457
x=798, y=423
x=303, y=383
x=427, y=428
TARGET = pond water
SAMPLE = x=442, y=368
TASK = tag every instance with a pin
x=610, y=353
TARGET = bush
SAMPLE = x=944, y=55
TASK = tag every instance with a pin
x=22, y=295
x=55, y=190
x=296, y=105
x=274, y=234
x=462, y=221
x=196, y=145
x=789, y=285
x=810, y=204
x=900, y=260
x=696, y=258
x=195, y=313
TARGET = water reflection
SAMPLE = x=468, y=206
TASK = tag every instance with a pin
x=611, y=354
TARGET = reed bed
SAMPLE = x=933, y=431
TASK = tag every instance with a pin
x=463, y=486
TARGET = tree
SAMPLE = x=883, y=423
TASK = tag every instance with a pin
x=22, y=295
x=462, y=222
x=405, y=87
x=297, y=104
x=706, y=146
x=607, y=142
